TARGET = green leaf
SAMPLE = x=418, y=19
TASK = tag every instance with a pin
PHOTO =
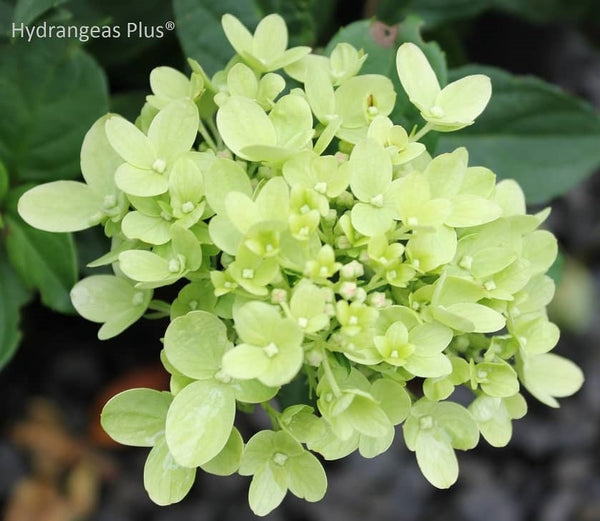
x=199, y=422
x=27, y=11
x=533, y=132
x=12, y=296
x=136, y=416
x=4, y=182
x=44, y=261
x=433, y=12
x=165, y=480
x=210, y=46
x=51, y=93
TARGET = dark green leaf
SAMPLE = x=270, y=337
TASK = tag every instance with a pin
x=45, y=261
x=6, y=16
x=27, y=11
x=433, y=12
x=128, y=104
x=12, y=296
x=4, y=182
x=143, y=35
x=51, y=92
x=199, y=29
x=532, y=132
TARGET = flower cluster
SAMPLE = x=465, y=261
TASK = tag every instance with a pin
x=313, y=242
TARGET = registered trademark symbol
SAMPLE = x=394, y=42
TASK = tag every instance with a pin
x=170, y=25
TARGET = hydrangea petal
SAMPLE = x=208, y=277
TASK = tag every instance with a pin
x=199, y=422
x=130, y=142
x=61, y=206
x=165, y=480
x=417, y=76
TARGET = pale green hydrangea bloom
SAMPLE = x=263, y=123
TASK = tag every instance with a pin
x=311, y=242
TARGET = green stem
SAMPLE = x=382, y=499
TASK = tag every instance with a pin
x=273, y=415
x=160, y=306
x=207, y=137
x=422, y=132
x=329, y=375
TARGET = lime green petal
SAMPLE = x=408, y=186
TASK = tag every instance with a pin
x=174, y=129
x=484, y=319
x=242, y=211
x=252, y=391
x=417, y=76
x=428, y=250
x=509, y=195
x=306, y=477
x=319, y=91
x=130, y=142
x=239, y=37
x=283, y=367
x=153, y=230
x=195, y=343
x=144, y=266
x=446, y=172
x=165, y=480
x=136, y=417
x=547, y=376
x=458, y=423
x=392, y=398
x=169, y=83
x=61, y=206
x=265, y=492
x=289, y=56
x=370, y=220
x=257, y=452
x=110, y=299
x=292, y=120
x=242, y=81
x=370, y=171
x=245, y=362
x=370, y=447
x=99, y=161
x=270, y=38
x=463, y=100
x=254, y=128
x=224, y=234
x=255, y=321
x=436, y=459
x=140, y=182
x=432, y=366
x=472, y=210
x=266, y=153
x=199, y=422
x=430, y=339
x=222, y=177
x=228, y=460
x=359, y=99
